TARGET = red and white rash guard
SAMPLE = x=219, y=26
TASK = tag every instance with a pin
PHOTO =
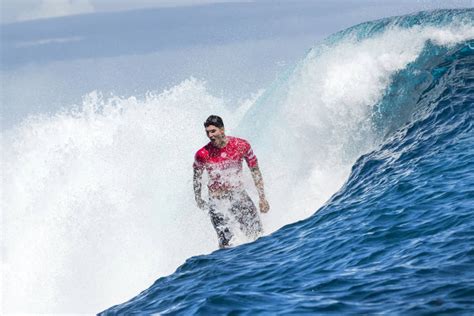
x=224, y=165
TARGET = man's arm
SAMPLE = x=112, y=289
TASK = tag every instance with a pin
x=197, y=188
x=258, y=180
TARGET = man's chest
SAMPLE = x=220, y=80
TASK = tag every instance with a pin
x=224, y=158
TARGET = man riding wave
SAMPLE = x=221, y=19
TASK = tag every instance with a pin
x=222, y=159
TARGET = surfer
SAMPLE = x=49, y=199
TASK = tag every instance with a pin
x=222, y=159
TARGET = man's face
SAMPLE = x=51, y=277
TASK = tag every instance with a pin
x=215, y=134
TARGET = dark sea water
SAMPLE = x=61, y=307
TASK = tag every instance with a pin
x=397, y=238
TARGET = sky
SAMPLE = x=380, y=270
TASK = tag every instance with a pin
x=22, y=10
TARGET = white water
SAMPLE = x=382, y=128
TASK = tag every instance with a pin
x=97, y=202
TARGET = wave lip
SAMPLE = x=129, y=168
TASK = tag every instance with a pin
x=397, y=237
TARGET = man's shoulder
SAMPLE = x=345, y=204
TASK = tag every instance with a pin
x=239, y=145
x=239, y=141
x=203, y=151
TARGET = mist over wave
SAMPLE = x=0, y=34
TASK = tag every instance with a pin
x=92, y=191
x=100, y=196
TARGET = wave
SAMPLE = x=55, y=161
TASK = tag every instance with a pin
x=104, y=187
x=395, y=239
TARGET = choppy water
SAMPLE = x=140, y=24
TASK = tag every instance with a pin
x=398, y=237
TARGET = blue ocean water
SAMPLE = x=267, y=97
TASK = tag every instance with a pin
x=397, y=238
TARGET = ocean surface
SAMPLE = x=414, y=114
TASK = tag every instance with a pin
x=398, y=237
x=366, y=146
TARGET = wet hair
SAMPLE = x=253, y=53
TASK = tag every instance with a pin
x=214, y=120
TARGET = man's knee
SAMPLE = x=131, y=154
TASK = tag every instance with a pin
x=224, y=237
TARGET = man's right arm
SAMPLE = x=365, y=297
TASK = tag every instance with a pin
x=197, y=183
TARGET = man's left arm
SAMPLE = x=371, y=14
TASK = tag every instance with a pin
x=258, y=180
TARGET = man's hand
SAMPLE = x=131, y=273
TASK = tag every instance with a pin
x=264, y=206
x=201, y=203
x=257, y=178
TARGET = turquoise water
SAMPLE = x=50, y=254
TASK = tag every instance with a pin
x=397, y=238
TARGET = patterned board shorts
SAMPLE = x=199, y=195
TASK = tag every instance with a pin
x=238, y=206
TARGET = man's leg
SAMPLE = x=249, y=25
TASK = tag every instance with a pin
x=246, y=214
x=220, y=223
